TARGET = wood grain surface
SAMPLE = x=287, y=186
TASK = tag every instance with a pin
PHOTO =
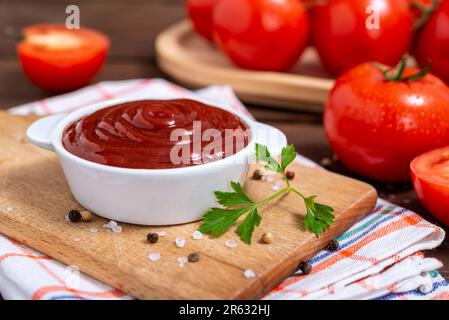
x=34, y=189
x=133, y=26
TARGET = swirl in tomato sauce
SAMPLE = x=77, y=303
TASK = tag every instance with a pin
x=139, y=134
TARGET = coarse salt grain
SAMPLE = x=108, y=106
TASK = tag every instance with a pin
x=180, y=242
x=67, y=217
x=197, y=235
x=9, y=209
x=182, y=261
x=270, y=178
x=279, y=183
x=231, y=244
x=117, y=229
x=162, y=233
x=155, y=256
x=248, y=273
x=110, y=225
x=93, y=230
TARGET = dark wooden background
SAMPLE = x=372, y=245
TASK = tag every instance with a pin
x=132, y=26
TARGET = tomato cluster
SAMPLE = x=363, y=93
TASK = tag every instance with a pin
x=381, y=114
x=271, y=34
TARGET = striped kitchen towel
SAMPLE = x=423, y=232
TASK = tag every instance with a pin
x=378, y=258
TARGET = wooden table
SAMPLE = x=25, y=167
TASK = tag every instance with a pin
x=133, y=26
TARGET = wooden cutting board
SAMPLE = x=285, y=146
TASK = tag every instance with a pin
x=34, y=199
x=193, y=61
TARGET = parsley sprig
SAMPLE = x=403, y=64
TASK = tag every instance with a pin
x=236, y=204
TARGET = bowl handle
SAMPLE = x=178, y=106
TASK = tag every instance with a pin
x=271, y=137
x=39, y=132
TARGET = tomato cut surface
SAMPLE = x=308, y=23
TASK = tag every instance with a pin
x=433, y=166
x=59, y=59
x=430, y=176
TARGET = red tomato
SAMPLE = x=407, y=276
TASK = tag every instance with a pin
x=58, y=59
x=432, y=42
x=376, y=127
x=349, y=32
x=430, y=176
x=200, y=13
x=261, y=34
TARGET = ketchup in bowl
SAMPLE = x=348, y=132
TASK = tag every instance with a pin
x=141, y=134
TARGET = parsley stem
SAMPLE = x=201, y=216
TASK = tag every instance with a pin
x=297, y=192
x=286, y=180
x=274, y=196
x=287, y=189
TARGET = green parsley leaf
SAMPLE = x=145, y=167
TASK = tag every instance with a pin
x=246, y=228
x=217, y=221
x=288, y=154
x=236, y=203
x=319, y=216
x=230, y=199
x=262, y=154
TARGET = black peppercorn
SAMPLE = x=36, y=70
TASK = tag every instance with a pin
x=305, y=267
x=290, y=175
x=152, y=237
x=333, y=245
x=257, y=175
x=74, y=215
x=193, y=257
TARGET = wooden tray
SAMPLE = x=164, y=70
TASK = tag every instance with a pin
x=189, y=59
x=32, y=184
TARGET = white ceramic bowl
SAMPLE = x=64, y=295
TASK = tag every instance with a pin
x=148, y=196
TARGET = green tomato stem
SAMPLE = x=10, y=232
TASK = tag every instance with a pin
x=426, y=12
x=401, y=68
x=399, y=72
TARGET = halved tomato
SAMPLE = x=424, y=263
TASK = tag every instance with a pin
x=430, y=176
x=58, y=59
